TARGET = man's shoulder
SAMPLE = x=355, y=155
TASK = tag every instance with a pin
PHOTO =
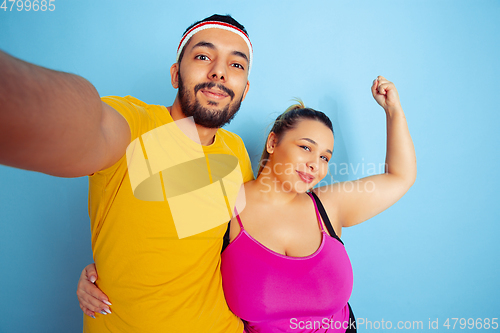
x=230, y=136
x=136, y=111
x=235, y=144
x=129, y=100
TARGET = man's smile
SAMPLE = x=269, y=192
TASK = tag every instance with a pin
x=214, y=93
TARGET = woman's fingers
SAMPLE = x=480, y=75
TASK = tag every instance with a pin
x=374, y=87
x=91, y=272
x=93, y=304
x=91, y=289
x=90, y=297
x=87, y=311
x=384, y=87
x=385, y=93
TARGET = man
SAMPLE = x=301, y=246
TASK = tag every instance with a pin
x=160, y=275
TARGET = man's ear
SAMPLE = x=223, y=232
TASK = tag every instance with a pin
x=174, y=75
x=272, y=141
x=246, y=90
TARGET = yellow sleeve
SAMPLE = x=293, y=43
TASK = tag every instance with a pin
x=134, y=115
x=245, y=163
x=131, y=112
x=246, y=167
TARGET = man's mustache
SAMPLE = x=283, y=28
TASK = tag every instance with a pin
x=210, y=85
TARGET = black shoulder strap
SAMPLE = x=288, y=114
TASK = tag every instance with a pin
x=225, y=241
x=325, y=218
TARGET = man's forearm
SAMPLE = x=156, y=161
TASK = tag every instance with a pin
x=49, y=120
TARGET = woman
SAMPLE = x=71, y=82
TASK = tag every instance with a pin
x=282, y=271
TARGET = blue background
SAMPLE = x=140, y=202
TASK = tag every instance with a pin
x=434, y=254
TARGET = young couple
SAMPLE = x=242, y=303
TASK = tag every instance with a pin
x=285, y=267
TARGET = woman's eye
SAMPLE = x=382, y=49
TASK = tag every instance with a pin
x=305, y=148
x=325, y=158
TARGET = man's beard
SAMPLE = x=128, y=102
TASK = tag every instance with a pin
x=210, y=118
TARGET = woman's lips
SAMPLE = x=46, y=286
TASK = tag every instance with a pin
x=307, y=178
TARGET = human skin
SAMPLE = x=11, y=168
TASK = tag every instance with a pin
x=278, y=212
x=54, y=122
x=211, y=55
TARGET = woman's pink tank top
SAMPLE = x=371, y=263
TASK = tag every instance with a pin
x=272, y=292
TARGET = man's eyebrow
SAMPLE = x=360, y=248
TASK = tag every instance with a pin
x=205, y=44
x=314, y=143
x=241, y=54
x=212, y=47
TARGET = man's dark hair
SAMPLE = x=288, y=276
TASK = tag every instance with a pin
x=218, y=18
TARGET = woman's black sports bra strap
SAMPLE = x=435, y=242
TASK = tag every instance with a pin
x=325, y=218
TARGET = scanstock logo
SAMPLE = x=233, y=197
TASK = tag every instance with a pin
x=169, y=164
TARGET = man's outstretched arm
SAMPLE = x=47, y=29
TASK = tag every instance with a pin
x=55, y=122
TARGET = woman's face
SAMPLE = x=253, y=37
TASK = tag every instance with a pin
x=300, y=160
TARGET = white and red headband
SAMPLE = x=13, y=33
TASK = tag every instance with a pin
x=215, y=25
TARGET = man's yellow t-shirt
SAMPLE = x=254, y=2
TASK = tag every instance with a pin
x=156, y=281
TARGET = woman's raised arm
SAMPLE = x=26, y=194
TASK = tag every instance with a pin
x=356, y=201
